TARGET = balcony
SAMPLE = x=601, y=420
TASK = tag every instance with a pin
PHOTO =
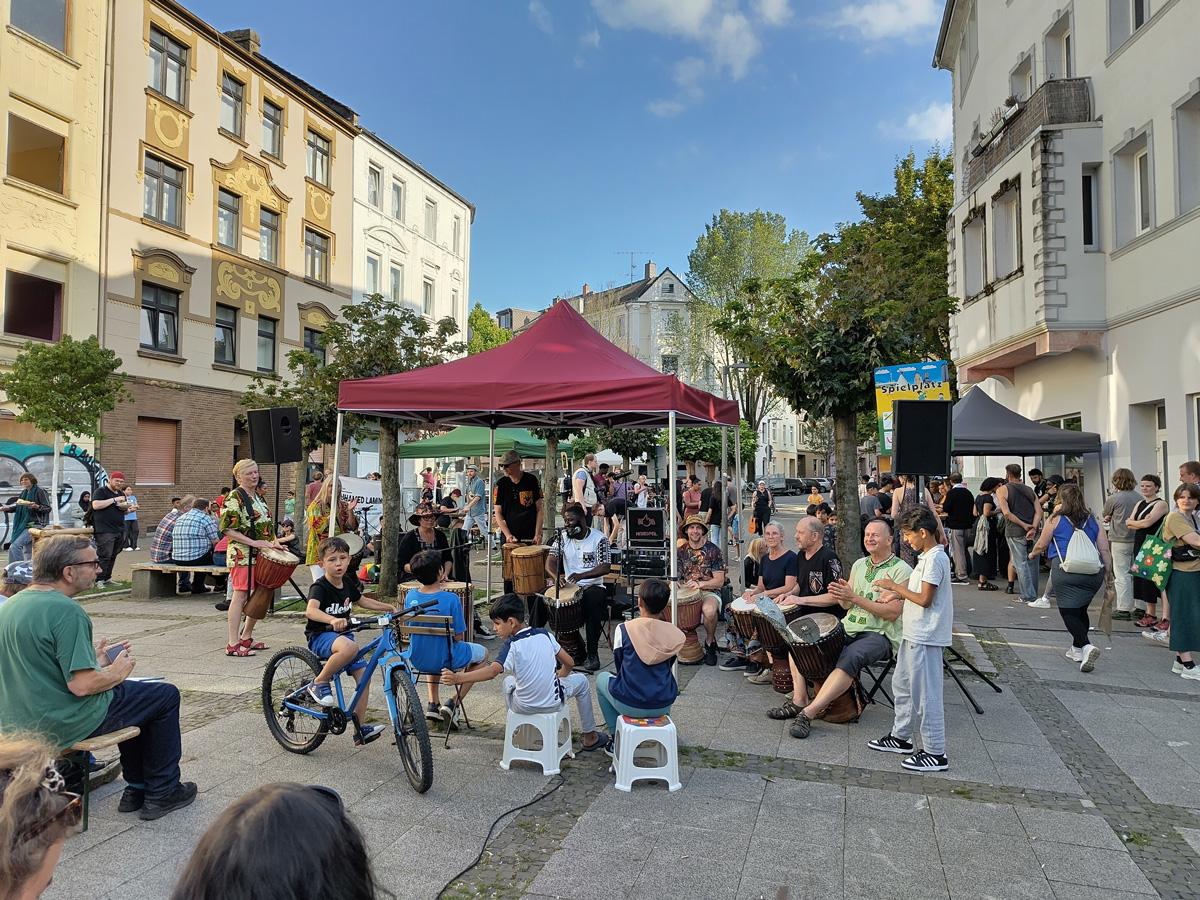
x=1059, y=102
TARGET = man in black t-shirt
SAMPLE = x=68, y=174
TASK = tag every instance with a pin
x=959, y=509
x=108, y=523
x=518, y=504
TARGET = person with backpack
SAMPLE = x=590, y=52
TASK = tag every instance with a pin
x=1078, y=551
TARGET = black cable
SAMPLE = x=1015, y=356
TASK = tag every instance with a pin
x=488, y=837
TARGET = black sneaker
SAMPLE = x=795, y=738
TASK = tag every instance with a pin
x=591, y=664
x=801, y=727
x=446, y=712
x=960, y=579
x=752, y=668
x=223, y=606
x=183, y=795
x=1011, y=589
x=608, y=748
x=432, y=711
x=922, y=761
x=710, y=655
x=889, y=743
x=734, y=664
x=132, y=800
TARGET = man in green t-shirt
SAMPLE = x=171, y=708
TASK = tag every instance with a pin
x=52, y=682
x=872, y=620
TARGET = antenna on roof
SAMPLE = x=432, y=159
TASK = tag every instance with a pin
x=633, y=255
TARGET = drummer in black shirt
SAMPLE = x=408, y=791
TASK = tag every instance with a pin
x=518, y=504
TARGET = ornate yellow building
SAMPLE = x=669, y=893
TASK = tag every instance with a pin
x=227, y=237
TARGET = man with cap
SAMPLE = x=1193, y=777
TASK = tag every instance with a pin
x=108, y=523
x=18, y=575
x=702, y=568
x=476, y=506
x=517, y=504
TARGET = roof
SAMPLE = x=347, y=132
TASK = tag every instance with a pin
x=559, y=373
x=335, y=106
x=445, y=187
x=985, y=427
x=625, y=293
x=947, y=14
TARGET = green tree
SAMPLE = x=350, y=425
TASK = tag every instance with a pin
x=550, y=473
x=482, y=331
x=703, y=444
x=583, y=443
x=64, y=388
x=873, y=293
x=628, y=443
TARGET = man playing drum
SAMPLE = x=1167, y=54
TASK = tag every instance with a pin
x=585, y=561
x=517, y=504
x=872, y=621
x=701, y=568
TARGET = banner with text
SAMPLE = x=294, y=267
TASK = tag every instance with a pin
x=369, y=495
x=908, y=381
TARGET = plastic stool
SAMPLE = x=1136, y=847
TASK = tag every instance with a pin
x=632, y=735
x=555, y=731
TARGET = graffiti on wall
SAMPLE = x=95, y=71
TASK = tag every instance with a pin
x=80, y=472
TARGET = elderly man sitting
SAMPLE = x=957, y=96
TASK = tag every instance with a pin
x=55, y=682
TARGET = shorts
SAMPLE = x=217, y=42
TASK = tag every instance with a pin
x=242, y=578
x=322, y=645
x=478, y=652
x=861, y=650
x=615, y=507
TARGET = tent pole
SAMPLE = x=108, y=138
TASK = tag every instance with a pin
x=737, y=487
x=723, y=479
x=334, y=496
x=673, y=531
x=488, y=511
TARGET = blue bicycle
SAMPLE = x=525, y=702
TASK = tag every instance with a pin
x=300, y=725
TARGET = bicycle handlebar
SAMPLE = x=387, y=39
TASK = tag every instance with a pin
x=357, y=623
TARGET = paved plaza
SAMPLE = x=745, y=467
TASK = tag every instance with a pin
x=1069, y=786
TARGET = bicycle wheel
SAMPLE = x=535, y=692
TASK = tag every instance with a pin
x=412, y=734
x=288, y=671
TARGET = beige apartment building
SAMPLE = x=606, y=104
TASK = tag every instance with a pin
x=51, y=144
x=228, y=239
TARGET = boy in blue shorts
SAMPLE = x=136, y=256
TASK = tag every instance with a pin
x=428, y=652
x=330, y=600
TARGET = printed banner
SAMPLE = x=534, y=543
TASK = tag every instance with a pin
x=369, y=495
x=908, y=381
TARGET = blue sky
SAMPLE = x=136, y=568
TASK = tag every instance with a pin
x=580, y=128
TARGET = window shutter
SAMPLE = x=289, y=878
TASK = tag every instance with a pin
x=157, y=450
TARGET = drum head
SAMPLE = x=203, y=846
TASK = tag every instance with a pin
x=811, y=628
x=353, y=541
x=686, y=594
x=280, y=556
x=530, y=550
x=742, y=605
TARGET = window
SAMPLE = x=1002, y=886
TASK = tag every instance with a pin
x=46, y=20
x=1133, y=188
x=228, y=218
x=32, y=307
x=397, y=284
x=431, y=220
x=1068, y=56
x=1125, y=18
x=157, y=450
x=375, y=187
x=1006, y=232
x=225, y=336
x=268, y=235
x=1067, y=466
x=272, y=136
x=398, y=200
x=1141, y=191
x=36, y=155
x=163, y=192
x=232, y=93
x=266, y=344
x=316, y=255
x=670, y=366
x=1059, y=56
x=372, y=273
x=668, y=287
x=160, y=319
x=1187, y=142
x=168, y=66
x=456, y=235
x=314, y=343
x=318, y=158
x=974, y=255
x=453, y=302
x=427, y=297
x=968, y=54
x=1091, y=209
x=1137, y=13
x=1020, y=79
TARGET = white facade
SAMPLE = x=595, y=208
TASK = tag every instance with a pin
x=783, y=448
x=1073, y=241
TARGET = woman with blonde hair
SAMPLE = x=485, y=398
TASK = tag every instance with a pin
x=36, y=813
x=317, y=518
x=246, y=521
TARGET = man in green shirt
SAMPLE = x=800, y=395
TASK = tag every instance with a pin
x=52, y=682
x=872, y=620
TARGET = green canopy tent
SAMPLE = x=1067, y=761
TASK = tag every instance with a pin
x=473, y=440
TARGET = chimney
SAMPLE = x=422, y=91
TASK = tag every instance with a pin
x=586, y=290
x=246, y=38
x=651, y=270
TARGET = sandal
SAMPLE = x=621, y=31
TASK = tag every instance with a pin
x=988, y=586
x=789, y=710
x=239, y=650
x=1147, y=621
x=252, y=644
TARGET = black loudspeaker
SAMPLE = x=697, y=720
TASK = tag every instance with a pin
x=275, y=435
x=646, y=527
x=921, y=431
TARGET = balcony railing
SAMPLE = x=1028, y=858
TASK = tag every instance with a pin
x=1058, y=102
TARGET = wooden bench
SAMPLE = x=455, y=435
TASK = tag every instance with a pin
x=153, y=581
x=81, y=750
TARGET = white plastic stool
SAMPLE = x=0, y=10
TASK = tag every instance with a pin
x=663, y=752
x=520, y=730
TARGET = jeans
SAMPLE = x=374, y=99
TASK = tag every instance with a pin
x=610, y=707
x=186, y=581
x=1027, y=569
x=151, y=760
x=1122, y=559
x=131, y=533
x=21, y=547
x=917, y=688
x=960, y=540
x=108, y=545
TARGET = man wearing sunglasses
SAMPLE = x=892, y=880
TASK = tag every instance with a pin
x=44, y=634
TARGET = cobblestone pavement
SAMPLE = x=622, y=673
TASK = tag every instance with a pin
x=1068, y=787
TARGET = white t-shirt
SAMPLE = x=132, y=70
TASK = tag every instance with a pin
x=529, y=657
x=583, y=555
x=643, y=497
x=934, y=624
x=589, y=488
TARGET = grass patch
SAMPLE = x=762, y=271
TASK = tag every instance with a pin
x=1136, y=838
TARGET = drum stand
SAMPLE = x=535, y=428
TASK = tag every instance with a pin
x=951, y=655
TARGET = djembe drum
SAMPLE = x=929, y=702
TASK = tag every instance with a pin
x=742, y=613
x=774, y=644
x=529, y=569
x=272, y=569
x=564, y=615
x=815, y=641
x=690, y=603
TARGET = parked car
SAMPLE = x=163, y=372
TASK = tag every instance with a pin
x=777, y=485
x=826, y=485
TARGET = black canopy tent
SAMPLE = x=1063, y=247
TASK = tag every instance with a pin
x=984, y=427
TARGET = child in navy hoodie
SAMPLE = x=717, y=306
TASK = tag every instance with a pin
x=643, y=652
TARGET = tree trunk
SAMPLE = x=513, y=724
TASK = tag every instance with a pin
x=845, y=447
x=550, y=489
x=55, y=463
x=389, y=577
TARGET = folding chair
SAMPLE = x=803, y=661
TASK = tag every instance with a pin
x=879, y=680
x=434, y=626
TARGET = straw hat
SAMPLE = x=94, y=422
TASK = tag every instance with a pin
x=694, y=520
x=423, y=509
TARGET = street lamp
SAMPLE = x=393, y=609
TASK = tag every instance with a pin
x=737, y=444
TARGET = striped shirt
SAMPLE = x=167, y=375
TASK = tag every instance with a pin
x=160, y=547
x=194, y=535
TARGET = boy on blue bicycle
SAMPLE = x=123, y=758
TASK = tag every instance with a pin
x=330, y=600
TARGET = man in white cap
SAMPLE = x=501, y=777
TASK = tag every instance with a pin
x=476, y=504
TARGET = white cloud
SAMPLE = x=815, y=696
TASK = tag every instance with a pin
x=773, y=12
x=665, y=109
x=590, y=39
x=734, y=44
x=877, y=20
x=933, y=123
x=679, y=17
x=541, y=16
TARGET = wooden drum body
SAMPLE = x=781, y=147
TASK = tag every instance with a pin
x=690, y=603
x=529, y=569
x=742, y=613
x=772, y=642
x=272, y=569
x=506, y=557
x=564, y=615
x=464, y=592
x=817, y=641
